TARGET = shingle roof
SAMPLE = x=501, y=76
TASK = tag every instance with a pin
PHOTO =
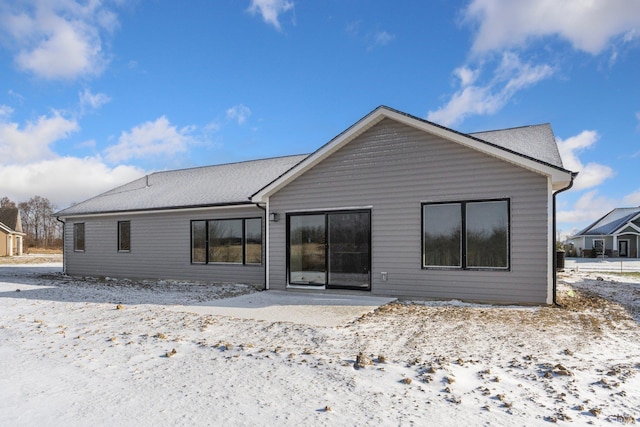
x=537, y=142
x=9, y=217
x=226, y=184
x=235, y=183
x=610, y=222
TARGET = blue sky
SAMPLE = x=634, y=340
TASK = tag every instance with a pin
x=95, y=93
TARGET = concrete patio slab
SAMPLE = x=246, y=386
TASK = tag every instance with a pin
x=312, y=309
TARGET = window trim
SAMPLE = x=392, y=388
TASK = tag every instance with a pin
x=77, y=225
x=208, y=247
x=594, y=246
x=326, y=214
x=244, y=241
x=463, y=236
x=207, y=261
x=120, y=237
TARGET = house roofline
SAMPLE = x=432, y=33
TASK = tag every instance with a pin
x=560, y=177
x=583, y=232
x=9, y=230
x=628, y=223
x=156, y=210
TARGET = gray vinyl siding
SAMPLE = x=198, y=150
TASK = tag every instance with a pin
x=160, y=248
x=393, y=168
x=632, y=250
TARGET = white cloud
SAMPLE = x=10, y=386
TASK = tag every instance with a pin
x=588, y=25
x=212, y=127
x=5, y=112
x=150, y=139
x=590, y=175
x=631, y=35
x=510, y=76
x=63, y=180
x=466, y=75
x=32, y=143
x=632, y=199
x=589, y=207
x=94, y=101
x=270, y=10
x=239, y=113
x=16, y=95
x=58, y=40
x=383, y=38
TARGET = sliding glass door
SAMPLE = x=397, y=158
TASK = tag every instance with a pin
x=307, y=250
x=331, y=249
x=348, y=252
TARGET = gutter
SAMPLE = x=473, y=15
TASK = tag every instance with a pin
x=64, y=252
x=266, y=220
x=555, y=238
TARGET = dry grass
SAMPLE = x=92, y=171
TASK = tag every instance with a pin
x=32, y=259
x=581, y=318
x=43, y=251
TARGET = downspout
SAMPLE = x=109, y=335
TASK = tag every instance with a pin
x=266, y=221
x=555, y=238
x=64, y=252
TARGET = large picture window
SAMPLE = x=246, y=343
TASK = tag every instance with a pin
x=233, y=241
x=78, y=237
x=225, y=240
x=468, y=235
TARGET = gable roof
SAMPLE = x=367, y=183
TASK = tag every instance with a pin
x=10, y=218
x=219, y=185
x=531, y=147
x=611, y=222
x=535, y=141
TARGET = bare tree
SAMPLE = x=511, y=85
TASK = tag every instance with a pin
x=5, y=202
x=38, y=223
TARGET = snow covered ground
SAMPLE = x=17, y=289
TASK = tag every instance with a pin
x=77, y=352
x=617, y=265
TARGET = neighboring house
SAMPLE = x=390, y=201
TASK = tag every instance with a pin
x=11, y=235
x=394, y=205
x=617, y=234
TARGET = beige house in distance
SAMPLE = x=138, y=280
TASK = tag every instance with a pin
x=11, y=235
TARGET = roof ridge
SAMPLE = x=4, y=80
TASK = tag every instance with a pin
x=228, y=164
x=511, y=128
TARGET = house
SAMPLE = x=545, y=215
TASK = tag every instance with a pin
x=394, y=205
x=11, y=235
x=616, y=234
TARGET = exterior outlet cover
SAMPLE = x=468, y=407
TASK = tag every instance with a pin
x=384, y=276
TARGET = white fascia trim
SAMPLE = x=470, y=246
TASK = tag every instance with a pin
x=266, y=246
x=550, y=248
x=7, y=229
x=318, y=156
x=154, y=211
x=559, y=178
x=331, y=209
x=625, y=225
